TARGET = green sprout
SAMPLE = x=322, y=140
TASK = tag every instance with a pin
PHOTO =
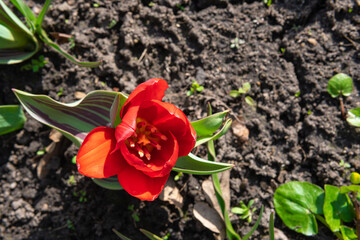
x=96, y=5
x=35, y=64
x=195, y=87
x=81, y=195
x=73, y=160
x=61, y=91
x=72, y=42
x=70, y=225
x=236, y=42
x=19, y=42
x=309, y=112
x=353, y=117
x=111, y=24
x=71, y=180
x=41, y=152
x=243, y=90
x=179, y=6
x=297, y=94
x=134, y=213
x=338, y=86
x=267, y=2
x=151, y=4
x=177, y=177
x=245, y=212
x=344, y=164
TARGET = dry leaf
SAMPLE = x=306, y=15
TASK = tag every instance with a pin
x=208, y=217
x=240, y=130
x=79, y=95
x=172, y=194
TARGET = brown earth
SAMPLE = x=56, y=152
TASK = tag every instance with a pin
x=292, y=46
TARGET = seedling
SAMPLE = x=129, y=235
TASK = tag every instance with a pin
x=297, y=94
x=60, y=93
x=81, y=195
x=181, y=7
x=71, y=180
x=195, y=87
x=19, y=42
x=72, y=42
x=134, y=213
x=338, y=86
x=243, y=90
x=354, y=117
x=177, y=177
x=35, y=64
x=267, y=2
x=344, y=164
x=245, y=212
x=151, y=4
x=96, y=5
x=41, y=152
x=236, y=42
x=111, y=24
x=70, y=225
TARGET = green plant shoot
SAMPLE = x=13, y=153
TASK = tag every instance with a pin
x=195, y=87
x=245, y=212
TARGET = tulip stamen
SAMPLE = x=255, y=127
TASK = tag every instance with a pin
x=159, y=135
x=147, y=153
x=155, y=144
x=140, y=124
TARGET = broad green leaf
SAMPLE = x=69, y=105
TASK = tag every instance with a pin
x=348, y=233
x=337, y=207
x=351, y=188
x=150, y=235
x=121, y=236
x=297, y=203
x=340, y=84
x=204, y=139
x=12, y=118
x=209, y=124
x=195, y=165
x=56, y=47
x=111, y=183
x=17, y=42
x=354, y=117
x=355, y=178
x=74, y=120
x=255, y=225
x=234, y=93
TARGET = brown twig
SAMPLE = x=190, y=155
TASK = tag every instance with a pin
x=343, y=115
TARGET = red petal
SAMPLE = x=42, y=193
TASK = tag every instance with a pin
x=151, y=89
x=161, y=161
x=140, y=185
x=166, y=117
x=95, y=158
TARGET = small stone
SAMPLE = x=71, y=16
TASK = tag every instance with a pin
x=16, y=204
x=20, y=214
x=79, y=95
x=312, y=41
x=13, y=185
x=240, y=131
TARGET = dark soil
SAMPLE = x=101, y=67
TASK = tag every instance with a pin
x=291, y=46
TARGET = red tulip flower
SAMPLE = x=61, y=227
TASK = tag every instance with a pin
x=144, y=147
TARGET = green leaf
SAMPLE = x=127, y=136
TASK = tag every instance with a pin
x=150, y=235
x=121, y=236
x=17, y=42
x=116, y=108
x=195, y=165
x=74, y=120
x=337, y=207
x=297, y=203
x=41, y=16
x=250, y=101
x=348, y=233
x=354, y=117
x=340, y=84
x=238, y=210
x=210, y=124
x=204, y=139
x=351, y=188
x=355, y=178
x=12, y=118
x=234, y=93
x=26, y=11
x=111, y=183
x=255, y=225
x=57, y=48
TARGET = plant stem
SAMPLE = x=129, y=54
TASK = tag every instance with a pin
x=342, y=108
x=321, y=219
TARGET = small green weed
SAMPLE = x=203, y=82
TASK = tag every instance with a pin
x=195, y=87
x=245, y=212
x=134, y=213
x=35, y=65
x=81, y=195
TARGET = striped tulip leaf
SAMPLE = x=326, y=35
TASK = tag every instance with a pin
x=74, y=120
x=12, y=118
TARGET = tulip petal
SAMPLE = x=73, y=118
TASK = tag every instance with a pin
x=140, y=185
x=152, y=89
x=167, y=117
x=161, y=162
x=95, y=158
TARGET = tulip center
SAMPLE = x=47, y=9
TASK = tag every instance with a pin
x=145, y=139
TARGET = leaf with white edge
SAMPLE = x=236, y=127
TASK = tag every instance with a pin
x=210, y=124
x=74, y=120
x=116, y=108
x=354, y=117
x=12, y=118
x=120, y=235
x=195, y=165
x=111, y=183
x=224, y=129
x=337, y=208
x=297, y=203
